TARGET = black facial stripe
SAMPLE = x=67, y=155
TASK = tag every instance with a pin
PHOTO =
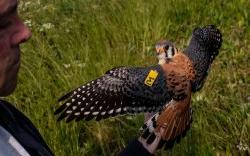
x=172, y=51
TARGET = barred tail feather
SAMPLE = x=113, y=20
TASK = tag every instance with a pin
x=176, y=127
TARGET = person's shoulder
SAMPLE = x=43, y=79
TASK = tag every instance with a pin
x=9, y=112
x=15, y=121
x=6, y=110
x=4, y=104
x=12, y=115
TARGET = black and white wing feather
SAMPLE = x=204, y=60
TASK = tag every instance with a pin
x=121, y=90
x=202, y=49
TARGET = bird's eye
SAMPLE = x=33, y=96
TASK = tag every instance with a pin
x=166, y=47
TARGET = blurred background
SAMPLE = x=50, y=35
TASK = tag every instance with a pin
x=75, y=41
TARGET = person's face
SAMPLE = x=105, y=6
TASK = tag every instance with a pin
x=13, y=32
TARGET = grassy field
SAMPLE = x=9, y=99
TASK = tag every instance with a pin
x=77, y=40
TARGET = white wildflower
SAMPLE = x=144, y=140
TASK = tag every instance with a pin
x=41, y=29
x=47, y=25
x=67, y=65
x=242, y=147
x=26, y=4
x=81, y=65
x=199, y=97
x=28, y=23
x=129, y=117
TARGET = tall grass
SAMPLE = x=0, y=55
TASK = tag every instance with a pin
x=77, y=40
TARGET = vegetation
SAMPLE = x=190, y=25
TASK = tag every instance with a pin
x=75, y=41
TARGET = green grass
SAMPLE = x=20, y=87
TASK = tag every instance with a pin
x=88, y=37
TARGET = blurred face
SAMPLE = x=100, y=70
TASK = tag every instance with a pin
x=13, y=32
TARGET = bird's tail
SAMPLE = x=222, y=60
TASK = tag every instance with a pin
x=149, y=128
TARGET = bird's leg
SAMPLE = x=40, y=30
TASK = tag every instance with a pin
x=147, y=116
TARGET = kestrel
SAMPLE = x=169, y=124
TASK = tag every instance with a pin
x=165, y=87
x=186, y=73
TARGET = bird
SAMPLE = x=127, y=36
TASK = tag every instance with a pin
x=121, y=90
x=164, y=88
x=175, y=118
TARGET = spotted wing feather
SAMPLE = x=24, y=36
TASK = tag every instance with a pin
x=202, y=49
x=121, y=90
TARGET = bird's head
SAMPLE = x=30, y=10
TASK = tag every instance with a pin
x=165, y=50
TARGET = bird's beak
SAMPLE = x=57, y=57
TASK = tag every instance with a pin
x=160, y=50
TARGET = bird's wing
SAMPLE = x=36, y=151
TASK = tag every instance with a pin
x=120, y=90
x=203, y=48
x=172, y=122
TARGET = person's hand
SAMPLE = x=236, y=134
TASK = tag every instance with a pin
x=152, y=147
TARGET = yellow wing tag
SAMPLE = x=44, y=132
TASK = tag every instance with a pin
x=152, y=75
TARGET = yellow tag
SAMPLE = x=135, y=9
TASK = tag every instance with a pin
x=152, y=75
